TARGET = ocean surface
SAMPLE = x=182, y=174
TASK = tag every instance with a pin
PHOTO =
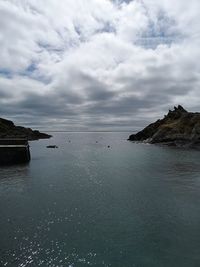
x=85, y=204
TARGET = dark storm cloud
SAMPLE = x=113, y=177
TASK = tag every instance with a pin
x=4, y=95
x=126, y=106
x=52, y=105
x=99, y=95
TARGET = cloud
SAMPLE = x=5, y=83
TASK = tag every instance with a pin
x=97, y=64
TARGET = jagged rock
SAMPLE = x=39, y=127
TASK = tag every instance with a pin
x=9, y=130
x=178, y=128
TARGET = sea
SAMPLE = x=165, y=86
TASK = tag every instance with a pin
x=100, y=200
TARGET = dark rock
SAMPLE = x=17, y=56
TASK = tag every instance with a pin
x=52, y=146
x=177, y=128
x=9, y=130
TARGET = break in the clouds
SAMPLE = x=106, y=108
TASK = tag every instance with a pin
x=97, y=64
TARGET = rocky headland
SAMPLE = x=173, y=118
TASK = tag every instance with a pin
x=9, y=130
x=178, y=128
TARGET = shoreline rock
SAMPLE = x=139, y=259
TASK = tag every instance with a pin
x=9, y=130
x=178, y=128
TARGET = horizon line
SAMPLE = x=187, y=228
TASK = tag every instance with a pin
x=85, y=131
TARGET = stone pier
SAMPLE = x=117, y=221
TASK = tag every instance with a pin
x=14, y=151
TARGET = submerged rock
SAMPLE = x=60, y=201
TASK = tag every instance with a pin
x=9, y=130
x=178, y=128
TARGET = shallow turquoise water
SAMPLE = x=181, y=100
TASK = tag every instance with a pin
x=85, y=204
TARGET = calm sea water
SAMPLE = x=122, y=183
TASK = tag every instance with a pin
x=85, y=204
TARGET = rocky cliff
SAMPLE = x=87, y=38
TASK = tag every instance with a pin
x=178, y=128
x=9, y=130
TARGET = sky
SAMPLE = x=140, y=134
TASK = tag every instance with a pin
x=97, y=64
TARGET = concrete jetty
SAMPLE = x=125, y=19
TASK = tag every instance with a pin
x=14, y=151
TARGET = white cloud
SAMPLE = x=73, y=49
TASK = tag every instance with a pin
x=92, y=59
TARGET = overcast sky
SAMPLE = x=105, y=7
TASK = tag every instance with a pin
x=97, y=64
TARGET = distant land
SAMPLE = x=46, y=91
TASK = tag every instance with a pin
x=178, y=128
x=9, y=130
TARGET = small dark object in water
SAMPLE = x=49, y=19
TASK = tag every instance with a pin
x=54, y=146
x=96, y=142
x=108, y=146
x=69, y=141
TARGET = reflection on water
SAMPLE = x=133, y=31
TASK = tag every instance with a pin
x=9, y=173
x=13, y=178
x=85, y=204
x=186, y=167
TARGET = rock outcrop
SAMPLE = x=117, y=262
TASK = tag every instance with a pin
x=9, y=130
x=178, y=128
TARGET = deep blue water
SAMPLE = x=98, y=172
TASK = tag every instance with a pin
x=85, y=204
